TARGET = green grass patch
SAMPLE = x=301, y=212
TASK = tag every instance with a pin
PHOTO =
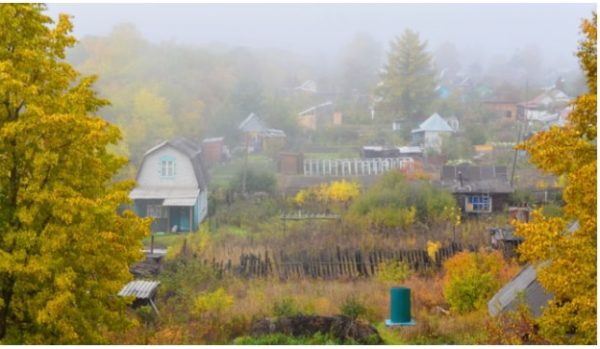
x=282, y=339
x=164, y=240
x=222, y=174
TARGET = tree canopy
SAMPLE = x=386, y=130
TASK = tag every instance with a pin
x=408, y=80
x=565, y=248
x=65, y=250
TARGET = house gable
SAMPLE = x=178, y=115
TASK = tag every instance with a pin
x=151, y=173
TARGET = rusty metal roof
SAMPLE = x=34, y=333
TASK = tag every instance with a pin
x=141, y=289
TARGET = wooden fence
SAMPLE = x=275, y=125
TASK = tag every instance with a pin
x=341, y=263
x=353, y=167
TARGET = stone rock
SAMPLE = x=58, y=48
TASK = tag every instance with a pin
x=340, y=327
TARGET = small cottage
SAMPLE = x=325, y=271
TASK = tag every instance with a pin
x=172, y=186
x=320, y=115
x=545, y=107
x=506, y=109
x=477, y=189
x=258, y=137
x=430, y=132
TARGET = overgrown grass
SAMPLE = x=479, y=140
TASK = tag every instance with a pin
x=164, y=240
x=282, y=339
x=221, y=174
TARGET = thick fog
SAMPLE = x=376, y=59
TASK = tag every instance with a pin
x=481, y=33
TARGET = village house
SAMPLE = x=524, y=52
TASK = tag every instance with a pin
x=429, y=134
x=320, y=115
x=477, y=189
x=544, y=108
x=258, y=137
x=506, y=109
x=172, y=186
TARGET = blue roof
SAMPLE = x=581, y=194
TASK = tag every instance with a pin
x=434, y=123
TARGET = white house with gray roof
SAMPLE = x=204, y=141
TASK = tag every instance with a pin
x=172, y=186
x=430, y=132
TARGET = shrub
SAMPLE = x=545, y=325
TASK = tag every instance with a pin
x=353, y=308
x=282, y=339
x=285, y=307
x=255, y=182
x=396, y=271
x=395, y=202
x=516, y=327
x=471, y=279
x=212, y=304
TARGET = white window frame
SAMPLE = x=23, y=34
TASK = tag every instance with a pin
x=167, y=168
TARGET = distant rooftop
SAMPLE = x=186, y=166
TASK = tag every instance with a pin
x=435, y=123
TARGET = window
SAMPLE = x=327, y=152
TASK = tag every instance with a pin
x=478, y=203
x=157, y=211
x=167, y=167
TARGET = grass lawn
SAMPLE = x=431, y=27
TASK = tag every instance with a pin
x=164, y=240
x=221, y=174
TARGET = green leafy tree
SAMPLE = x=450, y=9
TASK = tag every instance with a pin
x=408, y=80
x=64, y=248
x=394, y=203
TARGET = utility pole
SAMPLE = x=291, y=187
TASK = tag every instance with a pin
x=245, y=169
x=514, y=165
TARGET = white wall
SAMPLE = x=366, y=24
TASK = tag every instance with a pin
x=149, y=174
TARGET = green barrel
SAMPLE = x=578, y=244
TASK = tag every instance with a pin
x=400, y=305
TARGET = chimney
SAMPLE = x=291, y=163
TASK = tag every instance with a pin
x=460, y=178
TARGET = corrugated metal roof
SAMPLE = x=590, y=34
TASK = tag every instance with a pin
x=434, y=123
x=190, y=201
x=312, y=109
x=414, y=149
x=213, y=139
x=163, y=193
x=522, y=288
x=476, y=179
x=140, y=289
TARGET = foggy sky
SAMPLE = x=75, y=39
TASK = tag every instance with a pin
x=479, y=31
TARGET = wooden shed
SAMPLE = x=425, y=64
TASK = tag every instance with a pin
x=290, y=163
x=144, y=292
x=212, y=150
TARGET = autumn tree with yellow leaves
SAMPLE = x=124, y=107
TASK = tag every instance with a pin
x=327, y=194
x=65, y=251
x=564, y=249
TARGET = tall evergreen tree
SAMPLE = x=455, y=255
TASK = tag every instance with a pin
x=65, y=251
x=407, y=82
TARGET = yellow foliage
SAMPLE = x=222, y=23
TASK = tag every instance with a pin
x=65, y=250
x=432, y=248
x=213, y=303
x=471, y=279
x=566, y=258
x=334, y=192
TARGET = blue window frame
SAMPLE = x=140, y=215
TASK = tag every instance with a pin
x=167, y=167
x=478, y=203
